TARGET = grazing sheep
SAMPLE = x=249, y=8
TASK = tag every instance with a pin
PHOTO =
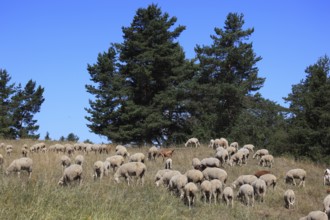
x=160, y=174
x=152, y=153
x=192, y=141
x=20, y=164
x=196, y=163
x=137, y=157
x=315, y=215
x=165, y=153
x=237, y=158
x=168, y=164
x=293, y=174
x=266, y=161
x=127, y=170
x=259, y=153
x=195, y=176
x=234, y=145
x=210, y=162
x=326, y=177
x=259, y=173
x=211, y=144
x=260, y=188
x=177, y=183
x=1, y=161
x=24, y=151
x=222, y=142
x=211, y=173
x=190, y=192
x=326, y=204
x=79, y=159
x=270, y=179
x=222, y=155
x=115, y=161
x=228, y=196
x=289, y=198
x=245, y=193
x=231, y=150
x=250, y=147
x=9, y=149
x=216, y=189
x=99, y=170
x=70, y=174
x=166, y=177
x=65, y=161
x=206, y=189
x=246, y=154
x=122, y=151
x=244, y=179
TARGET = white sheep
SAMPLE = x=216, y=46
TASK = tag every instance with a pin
x=231, y=150
x=196, y=163
x=246, y=154
x=259, y=153
x=137, y=157
x=9, y=149
x=326, y=177
x=210, y=162
x=293, y=174
x=216, y=189
x=206, y=189
x=190, y=193
x=259, y=188
x=24, y=151
x=65, y=161
x=228, y=196
x=168, y=164
x=177, y=183
x=246, y=193
x=222, y=155
x=250, y=147
x=79, y=159
x=99, y=170
x=165, y=179
x=222, y=142
x=115, y=161
x=269, y=179
x=160, y=174
x=130, y=169
x=326, y=204
x=122, y=152
x=237, y=158
x=244, y=179
x=289, y=198
x=70, y=174
x=152, y=153
x=234, y=145
x=211, y=173
x=195, y=176
x=267, y=161
x=192, y=141
x=20, y=164
x=211, y=144
x=315, y=215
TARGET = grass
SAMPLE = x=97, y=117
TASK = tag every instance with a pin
x=41, y=197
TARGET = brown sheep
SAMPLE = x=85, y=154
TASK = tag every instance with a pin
x=259, y=173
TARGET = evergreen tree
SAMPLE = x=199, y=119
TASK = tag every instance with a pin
x=47, y=137
x=72, y=137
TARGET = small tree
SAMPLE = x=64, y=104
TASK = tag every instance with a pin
x=72, y=137
x=47, y=138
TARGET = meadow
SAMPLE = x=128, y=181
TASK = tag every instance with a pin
x=41, y=198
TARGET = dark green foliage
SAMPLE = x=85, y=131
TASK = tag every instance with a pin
x=47, y=137
x=72, y=137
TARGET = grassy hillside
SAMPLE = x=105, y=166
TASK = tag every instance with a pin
x=41, y=197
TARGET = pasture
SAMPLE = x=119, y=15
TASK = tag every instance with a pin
x=41, y=198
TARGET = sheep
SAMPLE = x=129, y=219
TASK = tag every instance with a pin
x=152, y=153
x=122, y=152
x=244, y=179
x=115, y=161
x=326, y=204
x=177, y=183
x=160, y=174
x=222, y=142
x=118, y=147
x=137, y=157
x=234, y=145
x=168, y=164
x=259, y=153
x=269, y=179
x=65, y=161
x=245, y=193
x=237, y=158
x=326, y=177
x=289, y=198
x=315, y=215
x=9, y=149
x=165, y=179
x=24, y=151
x=259, y=188
x=210, y=162
x=211, y=173
x=246, y=154
x=293, y=174
x=259, y=173
x=165, y=153
x=127, y=170
x=250, y=147
x=231, y=150
x=228, y=196
x=266, y=161
x=79, y=159
x=195, y=176
x=216, y=189
x=20, y=164
x=192, y=141
x=211, y=144
x=99, y=170
x=1, y=161
x=222, y=156
x=196, y=163
x=190, y=191
x=71, y=173
x=206, y=188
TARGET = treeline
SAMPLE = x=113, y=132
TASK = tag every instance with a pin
x=146, y=91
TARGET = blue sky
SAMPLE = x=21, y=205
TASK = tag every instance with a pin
x=51, y=42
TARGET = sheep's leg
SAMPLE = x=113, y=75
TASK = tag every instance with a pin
x=294, y=182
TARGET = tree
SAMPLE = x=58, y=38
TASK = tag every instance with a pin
x=309, y=116
x=72, y=137
x=47, y=137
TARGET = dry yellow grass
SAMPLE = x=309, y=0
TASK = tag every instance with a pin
x=41, y=197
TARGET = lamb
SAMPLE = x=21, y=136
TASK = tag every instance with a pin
x=115, y=161
x=130, y=169
x=20, y=164
x=196, y=163
x=326, y=177
x=211, y=173
x=79, y=159
x=216, y=189
x=137, y=157
x=259, y=153
x=177, y=183
x=222, y=156
x=192, y=141
x=190, y=191
x=165, y=179
x=210, y=162
x=65, y=161
x=165, y=153
x=70, y=174
x=244, y=179
x=315, y=215
x=289, y=198
x=267, y=161
x=206, y=188
x=259, y=188
x=195, y=176
x=168, y=164
x=245, y=193
x=293, y=174
x=270, y=179
x=99, y=170
x=152, y=153
x=250, y=147
x=228, y=196
x=259, y=173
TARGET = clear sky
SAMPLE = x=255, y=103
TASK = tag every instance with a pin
x=51, y=42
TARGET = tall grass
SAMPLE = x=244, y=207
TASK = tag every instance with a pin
x=41, y=198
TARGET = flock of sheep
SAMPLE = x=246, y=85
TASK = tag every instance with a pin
x=206, y=177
